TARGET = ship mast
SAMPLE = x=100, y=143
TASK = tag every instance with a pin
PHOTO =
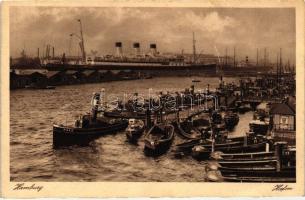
x=265, y=57
x=226, y=57
x=277, y=68
x=194, y=48
x=256, y=57
x=234, y=59
x=281, y=61
x=82, y=45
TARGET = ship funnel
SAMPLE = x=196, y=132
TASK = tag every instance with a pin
x=153, y=49
x=136, y=47
x=119, y=50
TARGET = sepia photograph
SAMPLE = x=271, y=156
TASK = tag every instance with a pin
x=152, y=94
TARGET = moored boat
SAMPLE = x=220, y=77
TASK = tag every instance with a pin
x=280, y=166
x=158, y=139
x=134, y=130
x=204, y=151
x=243, y=109
x=88, y=127
x=287, y=176
x=259, y=127
x=193, y=127
x=231, y=119
x=85, y=131
x=40, y=87
x=218, y=155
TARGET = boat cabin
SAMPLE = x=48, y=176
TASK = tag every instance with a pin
x=283, y=119
x=283, y=116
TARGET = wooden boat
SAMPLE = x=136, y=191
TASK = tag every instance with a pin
x=280, y=167
x=193, y=128
x=158, y=139
x=243, y=109
x=274, y=176
x=196, y=81
x=40, y=87
x=218, y=155
x=86, y=130
x=265, y=170
x=288, y=154
x=259, y=127
x=217, y=121
x=134, y=130
x=185, y=148
x=240, y=164
x=231, y=119
x=204, y=151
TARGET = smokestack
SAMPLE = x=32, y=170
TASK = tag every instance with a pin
x=136, y=47
x=53, y=52
x=38, y=53
x=153, y=49
x=118, y=47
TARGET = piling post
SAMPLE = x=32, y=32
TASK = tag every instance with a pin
x=246, y=140
x=267, y=147
x=213, y=136
x=279, y=147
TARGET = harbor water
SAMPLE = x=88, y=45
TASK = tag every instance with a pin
x=109, y=158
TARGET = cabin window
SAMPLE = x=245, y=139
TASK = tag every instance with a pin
x=284, y=122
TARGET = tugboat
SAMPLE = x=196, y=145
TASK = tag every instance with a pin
x=87, y=128
x=135, y=129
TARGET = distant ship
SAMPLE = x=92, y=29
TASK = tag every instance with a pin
x=152, y=60
x=136, y=61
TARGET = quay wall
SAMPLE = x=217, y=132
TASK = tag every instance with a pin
x=23, y=79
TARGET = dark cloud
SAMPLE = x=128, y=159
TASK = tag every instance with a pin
x=171, y=28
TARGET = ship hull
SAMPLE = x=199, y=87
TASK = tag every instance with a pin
x=211, y=68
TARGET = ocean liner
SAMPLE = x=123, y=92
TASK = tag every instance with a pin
x=154, y=61
x=137, y=60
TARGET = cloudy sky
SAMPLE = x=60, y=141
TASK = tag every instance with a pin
x=171, y=28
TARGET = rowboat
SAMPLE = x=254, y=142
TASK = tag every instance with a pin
x=286, y=176
x=279, y=167
x=158, y=139
x=134, y=130
x=218, y=155
x=193, y=128
x=186, y=148
x=204, y=151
